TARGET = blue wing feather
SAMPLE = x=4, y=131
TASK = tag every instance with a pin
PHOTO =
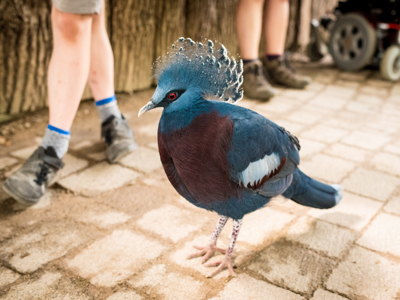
x=256, y=142
x=255, y=137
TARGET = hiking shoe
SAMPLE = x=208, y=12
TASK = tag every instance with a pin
x=118, y=137
x=281, y=72
x=255, y=85
x=30, y=182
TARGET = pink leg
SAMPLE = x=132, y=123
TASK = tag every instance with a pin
x=209, y=250
x=227, y=262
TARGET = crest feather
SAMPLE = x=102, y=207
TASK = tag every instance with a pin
x=204, y=65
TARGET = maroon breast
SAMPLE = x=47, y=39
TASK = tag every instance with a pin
x=199, y=154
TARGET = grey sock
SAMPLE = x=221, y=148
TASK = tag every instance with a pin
x=56, y=140
x=109, y=109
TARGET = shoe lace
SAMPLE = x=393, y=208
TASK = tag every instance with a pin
x=287, y=64
x=109, y=132
x=41, y=176
x=260, y=79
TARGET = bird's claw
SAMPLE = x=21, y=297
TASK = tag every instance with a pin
x=226, y=263
x=206, y=252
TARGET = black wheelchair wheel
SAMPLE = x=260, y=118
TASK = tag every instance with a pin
x=352, y=42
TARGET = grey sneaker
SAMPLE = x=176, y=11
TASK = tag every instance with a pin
x=118, y=137
x=29, y=183
x=280, y=72
x=255, y=85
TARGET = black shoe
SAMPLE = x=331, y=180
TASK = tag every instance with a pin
x=30, y=182
x=118, y=137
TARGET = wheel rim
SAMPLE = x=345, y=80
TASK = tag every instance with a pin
x=349, y=41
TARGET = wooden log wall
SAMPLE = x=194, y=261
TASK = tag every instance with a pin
x=140, y=31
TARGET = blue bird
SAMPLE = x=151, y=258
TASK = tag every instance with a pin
x=219, y=156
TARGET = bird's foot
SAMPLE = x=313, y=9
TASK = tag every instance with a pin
x=226, y=263
x=207, y=252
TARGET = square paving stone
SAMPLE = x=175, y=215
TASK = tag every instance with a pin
x=194, y=264
x=366, y=140
x=328, y=101
x=275, y=106
x=48, y=286
x=298, y=94
x=393, y=206
x=24, y=153
x=388, y=163
x=353, y=212
x=292, y=127
x=143, y=159
x=382, y=234
x=341, y=91
x=347, y=152
x=245, y=287
x=366, y=275
x=328, y=168
x=310, y=147
x=97, y=156
x=157, y=280
x=265, y=223
x=72, y=165
x=7, y=161
x=292, y=267
x=172, y=222
x=325, y=295
x=82, y=145
x=324, y=133
x=153, y=145
x=363, y=108
x=393, y=148
x=125, y=296
x=352, y=76
x=149, y=129
x=330, y=239
x=104, y=219
x=375, y=91
x=30, y=251
x=315, y=86
x=98, y=178
x=7, y=276
x=304, y=116
x=115, y=257
x=372, y=184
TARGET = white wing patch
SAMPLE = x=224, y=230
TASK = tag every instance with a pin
x=256, y=170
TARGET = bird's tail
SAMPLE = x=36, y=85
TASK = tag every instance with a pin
x=309, y=192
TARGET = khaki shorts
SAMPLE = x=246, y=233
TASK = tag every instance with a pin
x=78, y=6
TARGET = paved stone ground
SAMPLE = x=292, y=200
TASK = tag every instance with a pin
x=122, y=232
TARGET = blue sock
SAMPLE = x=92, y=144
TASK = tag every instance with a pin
x=108, y=107
x=56, y=138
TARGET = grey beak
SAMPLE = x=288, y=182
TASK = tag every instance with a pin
x=146, y=108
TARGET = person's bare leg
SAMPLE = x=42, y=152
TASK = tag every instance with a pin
x=276, y=18
x=67, y=76
x=101, y=75
x=114, y=127
x=249, y=25
x=69, y=66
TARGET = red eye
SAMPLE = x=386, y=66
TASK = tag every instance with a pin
x=172, y=96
